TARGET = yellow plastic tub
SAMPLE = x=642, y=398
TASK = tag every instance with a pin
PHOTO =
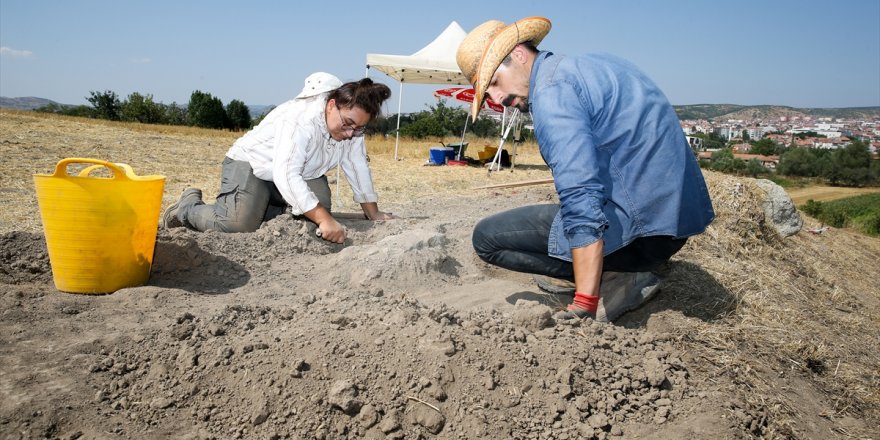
x=100, y=231
x=488, y=153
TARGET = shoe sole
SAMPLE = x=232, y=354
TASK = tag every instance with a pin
x=169, y=217
x=644, y=295
x=550, y=288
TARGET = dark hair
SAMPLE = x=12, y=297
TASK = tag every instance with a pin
x=364, y=94
x=528, y=45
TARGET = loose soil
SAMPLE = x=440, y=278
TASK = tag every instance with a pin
x=403, y=333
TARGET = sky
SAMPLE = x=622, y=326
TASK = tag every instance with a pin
x=798, y=53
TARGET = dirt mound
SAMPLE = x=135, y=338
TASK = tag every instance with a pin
x=402, y=333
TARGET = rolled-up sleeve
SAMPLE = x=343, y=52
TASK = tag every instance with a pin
x=569, y=147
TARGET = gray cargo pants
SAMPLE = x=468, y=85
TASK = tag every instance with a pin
x=245, y=201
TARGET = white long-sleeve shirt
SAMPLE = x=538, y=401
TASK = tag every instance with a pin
x=292, y=145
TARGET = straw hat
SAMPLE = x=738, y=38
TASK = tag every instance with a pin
x=483, y=49
x=317, y=83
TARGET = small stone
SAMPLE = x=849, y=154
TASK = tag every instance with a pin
x=161, y=403
x=368, y=416
x=391, y=422
x=343, y=395
x=429, y=419
x=598, y=421
x=261, y=414
x=216, y=330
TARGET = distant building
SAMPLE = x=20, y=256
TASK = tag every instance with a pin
x=769, y=162
x=695, y=143
x=831, y=143
x=741, y=148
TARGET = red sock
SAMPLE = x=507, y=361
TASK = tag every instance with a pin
x=586, y=302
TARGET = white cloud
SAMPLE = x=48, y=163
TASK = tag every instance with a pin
x=142, y=60
x=10, y=52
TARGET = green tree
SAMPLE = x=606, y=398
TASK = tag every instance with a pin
x=438, y=121
x=850, y=165
x=173, y=114
x=754, y=168
x=724, y=161
x=239, y=115
x=140, y=108
x=711, y=141
x=204, y=110
x=764, y=146
x=382, y=124
x=798, y=162
x=106, y=104
x=485, y=127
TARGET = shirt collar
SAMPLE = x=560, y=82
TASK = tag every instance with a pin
x=534, y=74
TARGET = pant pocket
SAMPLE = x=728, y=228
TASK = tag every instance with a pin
x=235, y=175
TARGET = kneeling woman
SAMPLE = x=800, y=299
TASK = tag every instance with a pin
x=282, y=162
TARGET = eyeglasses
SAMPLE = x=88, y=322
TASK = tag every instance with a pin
x=350, y=126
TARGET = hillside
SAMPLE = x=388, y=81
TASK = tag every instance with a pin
x=31, y=103
x=403, y=333
x=26, y=103
x=722, y=112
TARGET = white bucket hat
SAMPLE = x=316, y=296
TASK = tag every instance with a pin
x=318, y=83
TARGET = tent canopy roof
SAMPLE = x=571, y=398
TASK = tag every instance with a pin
x=433, y=64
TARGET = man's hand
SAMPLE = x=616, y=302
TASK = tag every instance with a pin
x=332, y=230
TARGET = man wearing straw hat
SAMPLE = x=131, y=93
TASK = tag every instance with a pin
x=630, y=190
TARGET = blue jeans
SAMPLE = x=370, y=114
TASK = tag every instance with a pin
x=517, y=240
x=245, y=201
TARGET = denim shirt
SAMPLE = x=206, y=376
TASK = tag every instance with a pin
x=620, y=161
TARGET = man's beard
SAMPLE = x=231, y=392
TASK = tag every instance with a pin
x=522, y=105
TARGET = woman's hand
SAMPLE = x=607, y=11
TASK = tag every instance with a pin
x=332, y=230
x=379, y=215
x=371, y=212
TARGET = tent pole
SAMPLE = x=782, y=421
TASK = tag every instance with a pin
x=399, y=101
x=461, y=143
x=496, y=161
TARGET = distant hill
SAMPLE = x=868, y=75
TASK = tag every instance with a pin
x=751, y=112
x=30, y=103
x=26, y=103
x=259, y=110
x=717, y=112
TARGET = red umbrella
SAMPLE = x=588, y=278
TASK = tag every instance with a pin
x=467, y=95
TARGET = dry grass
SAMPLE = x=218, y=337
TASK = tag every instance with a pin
x=826, y=193
x=34, y=143
x=804, y=306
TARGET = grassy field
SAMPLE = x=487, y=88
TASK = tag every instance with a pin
x=190, y=156
x=32, y=143
x=825, y=193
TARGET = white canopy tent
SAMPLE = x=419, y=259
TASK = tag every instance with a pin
x=433, y=64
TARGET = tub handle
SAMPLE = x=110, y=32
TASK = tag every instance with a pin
x=120, y=170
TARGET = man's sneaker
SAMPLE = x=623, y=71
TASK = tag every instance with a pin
x=554, y=285
x=625, y=291
x=170, y=218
